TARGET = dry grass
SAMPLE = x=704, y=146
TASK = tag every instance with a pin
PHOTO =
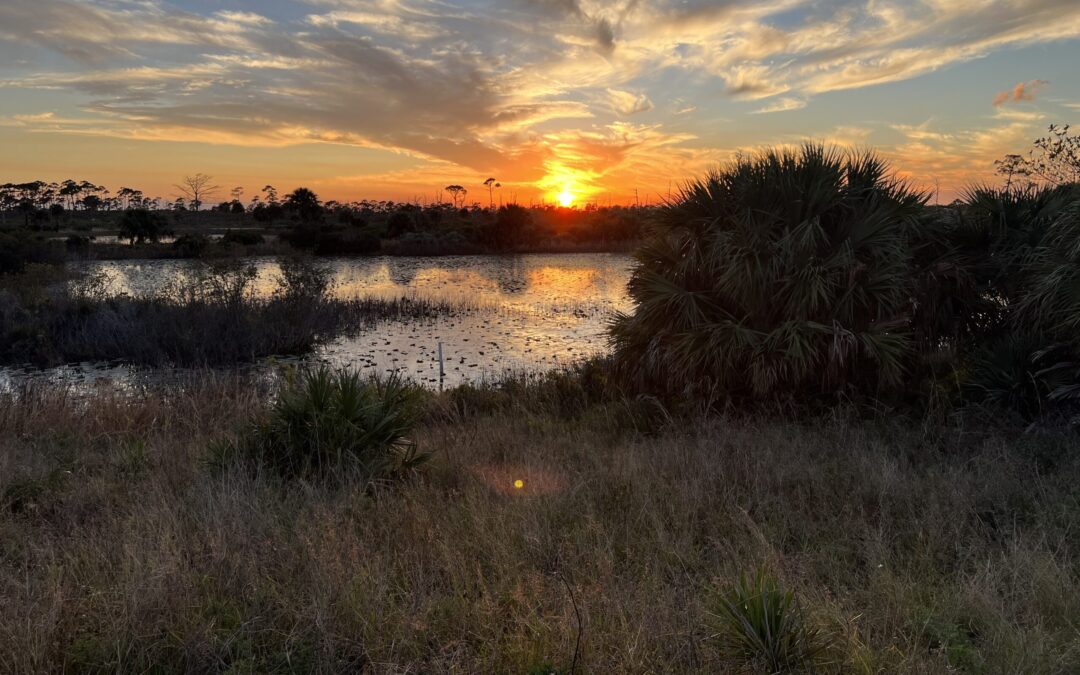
x=121, y=550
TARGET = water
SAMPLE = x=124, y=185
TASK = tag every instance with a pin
x=518, y=313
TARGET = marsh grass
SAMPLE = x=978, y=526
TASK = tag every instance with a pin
x=919, y=552
x=214, y=318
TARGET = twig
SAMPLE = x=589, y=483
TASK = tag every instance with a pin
x=577, y=615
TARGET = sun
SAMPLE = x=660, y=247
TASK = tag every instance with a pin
x=566, y=198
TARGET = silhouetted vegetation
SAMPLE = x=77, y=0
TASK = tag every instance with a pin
x=139, y=226
x=302, y=221
x=211, y=318
x=814, y=276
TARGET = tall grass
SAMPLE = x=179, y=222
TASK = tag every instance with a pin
x=214, y=318
x=120, y=550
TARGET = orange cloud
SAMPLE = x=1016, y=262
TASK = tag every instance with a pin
x=1023, y=91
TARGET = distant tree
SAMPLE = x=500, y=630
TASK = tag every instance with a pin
x=304, y=204
x=97, y=192
x=236, y=193
x=1014, y=169
x=271, y=194
x=197, y=188
x=491, y=183
x=70, y=192
x=457, y=192
x=140, y=225
x=92, y=203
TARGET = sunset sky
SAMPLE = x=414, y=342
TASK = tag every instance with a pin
x=394, y=99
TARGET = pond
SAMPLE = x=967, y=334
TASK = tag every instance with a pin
x=513, y=313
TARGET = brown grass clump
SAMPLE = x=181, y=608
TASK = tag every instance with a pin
x=121, y=550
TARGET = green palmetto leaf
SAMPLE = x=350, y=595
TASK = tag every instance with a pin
x=774, y=275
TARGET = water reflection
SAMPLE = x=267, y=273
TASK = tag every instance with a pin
x=517, y=313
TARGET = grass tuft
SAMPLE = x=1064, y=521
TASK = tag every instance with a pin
x=763, y=626
x=334, y=424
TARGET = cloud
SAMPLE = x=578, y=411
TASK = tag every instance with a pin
x=933, y=158
x=482, y=85
x=783, y=104
x=1023, y=91
x=627, y=103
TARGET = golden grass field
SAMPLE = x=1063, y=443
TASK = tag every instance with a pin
x=915, y=549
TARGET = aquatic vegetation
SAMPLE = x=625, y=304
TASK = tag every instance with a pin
x=213, y=317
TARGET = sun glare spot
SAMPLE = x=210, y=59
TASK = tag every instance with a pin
x=566, y=198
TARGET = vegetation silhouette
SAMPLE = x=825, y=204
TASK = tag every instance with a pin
x=814, y=276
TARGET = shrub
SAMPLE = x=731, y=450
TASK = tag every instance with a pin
x=327, y=424
x=140, y=225
x=998, y=291
x=190, y=245
x=783, y=274
x=241, y=237
x=21, y=248
x=398, y=224
x=763, y=626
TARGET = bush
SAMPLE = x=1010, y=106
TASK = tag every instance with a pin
x=141, y=225
x=190, y=245
x=762, y=626
x=998, y=293
x=21, y=248
x=332, y=425
x=785, y=274
x=398, y=224
x=241, y=237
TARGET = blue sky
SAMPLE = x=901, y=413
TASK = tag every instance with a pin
x=395, y=98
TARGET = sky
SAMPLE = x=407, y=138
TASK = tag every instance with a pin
x=606, y=102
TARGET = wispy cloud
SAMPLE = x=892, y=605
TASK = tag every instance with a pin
x=628, y=103
x=492, y=86
x=1023, y=91
x=783, y=104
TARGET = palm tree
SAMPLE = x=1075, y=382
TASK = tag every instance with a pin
x=784, y=273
